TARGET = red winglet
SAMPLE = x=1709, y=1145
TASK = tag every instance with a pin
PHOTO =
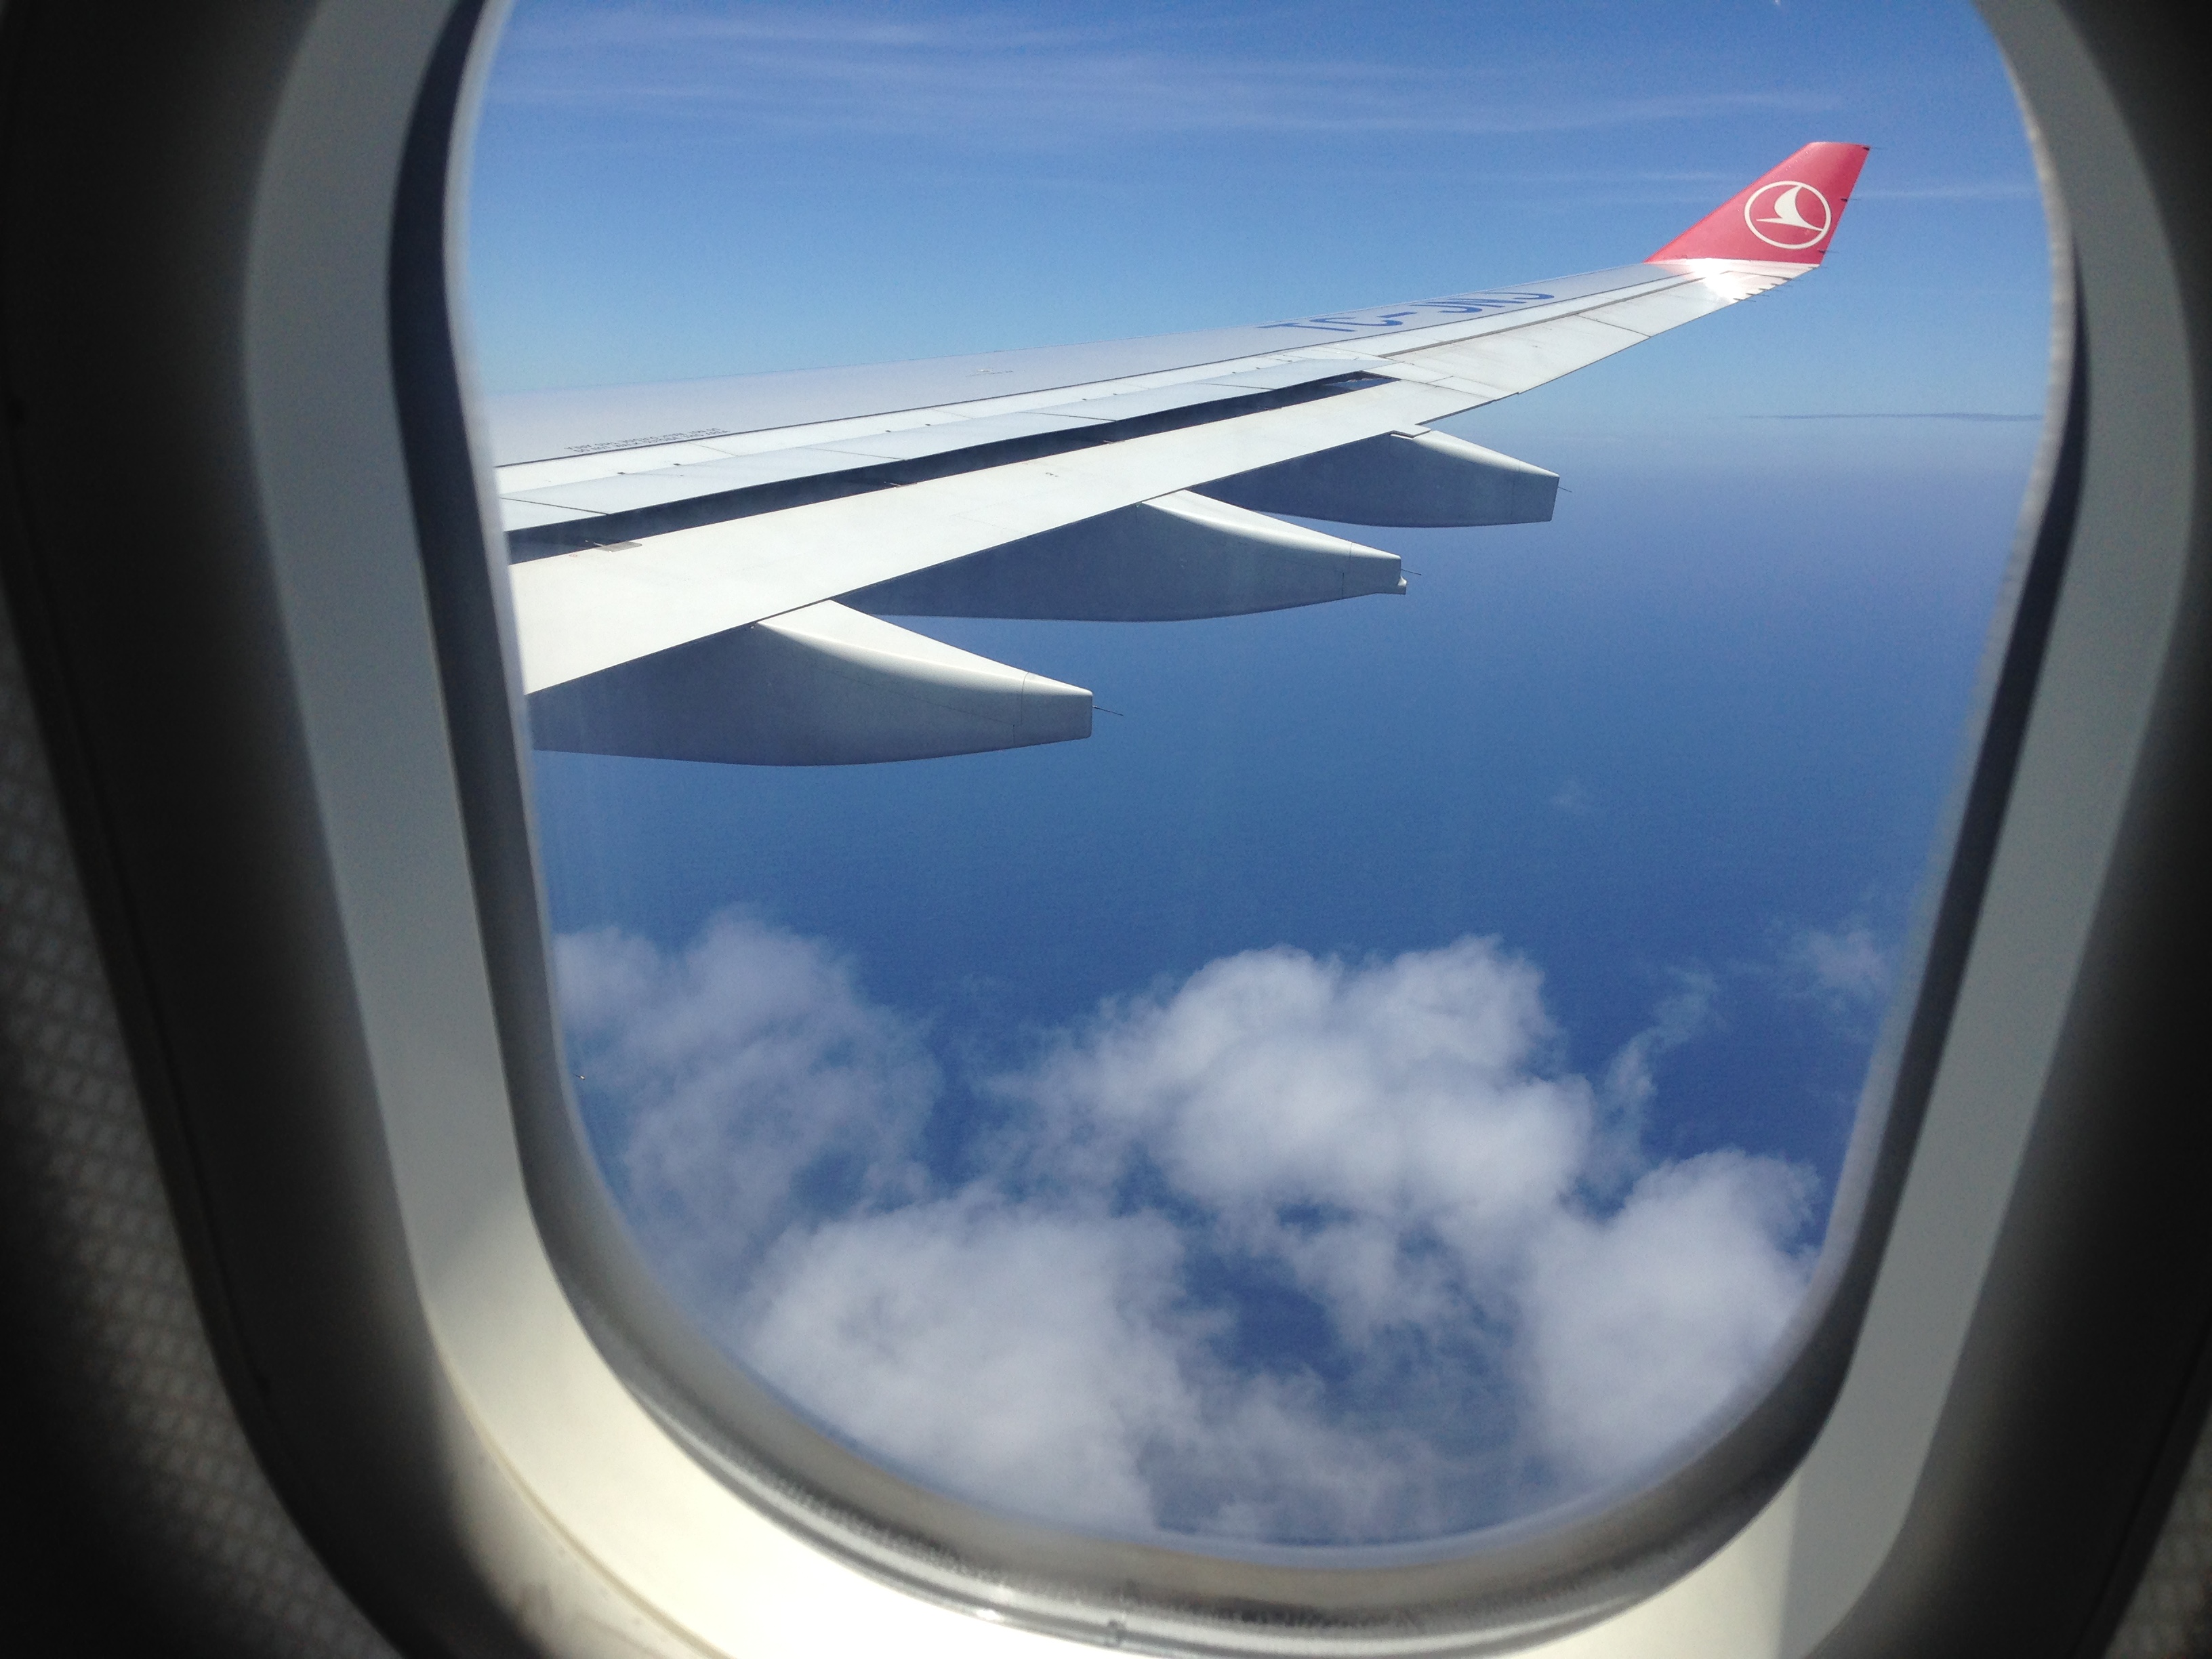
x=1788, y=217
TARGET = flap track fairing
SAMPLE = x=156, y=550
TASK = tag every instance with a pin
x=1411, y=478
x=1175, y=557
x=826, y=685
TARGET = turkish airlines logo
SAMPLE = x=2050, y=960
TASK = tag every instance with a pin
x=1788, y=215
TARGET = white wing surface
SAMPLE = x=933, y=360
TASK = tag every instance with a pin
x=676, y=548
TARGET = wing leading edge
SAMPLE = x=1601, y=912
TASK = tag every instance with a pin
x=701, y=570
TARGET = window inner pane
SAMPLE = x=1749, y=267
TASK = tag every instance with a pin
x=1391, y=1078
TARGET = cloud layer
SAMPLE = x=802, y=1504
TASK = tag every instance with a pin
x=1300, y=1249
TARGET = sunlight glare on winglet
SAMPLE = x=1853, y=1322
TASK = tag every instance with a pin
x=821, y=686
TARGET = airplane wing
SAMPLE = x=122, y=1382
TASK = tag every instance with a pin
x=700, y=570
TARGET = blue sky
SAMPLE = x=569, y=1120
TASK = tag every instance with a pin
x=1635, y=805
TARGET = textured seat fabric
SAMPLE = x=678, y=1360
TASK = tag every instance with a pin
x=148, y=1522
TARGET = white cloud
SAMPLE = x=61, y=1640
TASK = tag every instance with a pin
x=1394, y=1102
x=1643, y=1321
x=757, y=1081
x=1033, y=1353
x=1845, y=966
x=1628, y=1078
x=1496, y=1300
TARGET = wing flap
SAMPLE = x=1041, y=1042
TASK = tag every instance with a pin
x=635, y=480
x=915, y=442
x=534, y=515
x=579, y=613
x=531, y=426
x=1458, y=343
x=630, y=492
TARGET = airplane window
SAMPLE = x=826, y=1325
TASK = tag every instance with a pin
x=1123, y=1016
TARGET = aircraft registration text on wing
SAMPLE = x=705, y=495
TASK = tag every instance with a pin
x=702, y=570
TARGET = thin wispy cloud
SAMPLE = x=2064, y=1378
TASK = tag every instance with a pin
x=1500, y=1300
x=1572, y=799
x=1846, y=968
x=989, y=78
